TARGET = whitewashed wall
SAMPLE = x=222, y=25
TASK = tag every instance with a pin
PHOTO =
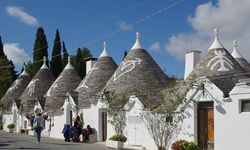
x=234, y=126
x=189, y=128
x=7, y=119
x=57, y=124
x=136, y=133
x=93, y=116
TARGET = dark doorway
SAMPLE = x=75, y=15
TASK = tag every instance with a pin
x=71, y=117
x=104, y=126
x=206, y=125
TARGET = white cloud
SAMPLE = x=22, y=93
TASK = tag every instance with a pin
x=22, y=15
x=230, y=16
x=15, y=53
x=125, y=27
x=155, y=47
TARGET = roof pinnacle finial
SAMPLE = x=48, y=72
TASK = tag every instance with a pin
x=235, y=44
x=69, y=66
x=216, y=43
x=44, y=66
x=235, y=52
x=137, y=44
x=216, y=32
x=104, y=45
x=69, y=59
x=44, y=59
x=24, y=71
x=104, y=52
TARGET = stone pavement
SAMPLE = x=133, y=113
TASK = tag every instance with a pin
x=12, y=141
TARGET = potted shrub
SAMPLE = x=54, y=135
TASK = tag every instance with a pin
x=11, y=127
x=116, y=141
x=189, y=146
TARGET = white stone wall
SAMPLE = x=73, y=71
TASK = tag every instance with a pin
x=7, y=119
x=232, y=125
x=135, y=137
x=93, y=116
x=57, y=124
x=189, y=128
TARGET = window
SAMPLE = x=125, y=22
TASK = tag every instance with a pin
x=245, y=106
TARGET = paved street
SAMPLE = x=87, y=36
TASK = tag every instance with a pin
x=22, y=141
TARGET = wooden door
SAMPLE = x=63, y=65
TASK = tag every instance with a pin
x=104, y=126
x=206, y=125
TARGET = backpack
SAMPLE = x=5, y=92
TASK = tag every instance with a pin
x=36, y=123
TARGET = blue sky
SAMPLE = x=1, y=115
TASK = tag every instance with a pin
x=166, y=36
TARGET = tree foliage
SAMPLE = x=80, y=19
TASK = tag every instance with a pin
x=7, y=71
x=164, y=122
x=117, y=114
x=79, y=64
x=56, y=60
x=40, y=50
x=65, y=56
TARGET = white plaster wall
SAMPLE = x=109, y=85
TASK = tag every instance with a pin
x=189, y=128
x=7, y=119
x=146, y=140
x=93, y=116
x=56, y=127
x=232, y=125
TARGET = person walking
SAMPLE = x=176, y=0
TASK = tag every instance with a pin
x=38, y=126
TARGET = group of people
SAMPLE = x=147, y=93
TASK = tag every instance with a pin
x=74, y=132
x=69, y=132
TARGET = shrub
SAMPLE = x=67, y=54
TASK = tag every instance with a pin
x=121, y=138
x=189, y=146
x=177, y=144
x=11, y=126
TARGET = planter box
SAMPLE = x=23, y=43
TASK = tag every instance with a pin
x=114, y=144
x=10, y=130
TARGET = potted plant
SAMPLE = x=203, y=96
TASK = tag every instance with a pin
x=11, y=127
x=116, y=141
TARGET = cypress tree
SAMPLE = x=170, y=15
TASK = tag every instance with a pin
x=1, y=47
x=7, y=71
x=79, y=64
x=65, y=56
x=125, y=54
x=56, y=60
x=40, y=50
x=86, y=53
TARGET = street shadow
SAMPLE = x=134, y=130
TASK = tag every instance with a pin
x=3, y=144
x=22, y=148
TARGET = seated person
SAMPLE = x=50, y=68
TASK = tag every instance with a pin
x=66, y=132
x=75, y=132
x=87, y=131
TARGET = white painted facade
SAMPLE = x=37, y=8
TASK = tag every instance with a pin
x=135, y=131
x=93, y=116
x=191, y=59
x=55, y=124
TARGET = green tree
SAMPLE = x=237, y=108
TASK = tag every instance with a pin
x=79, y=64
x=86, y=53
x=40, y=50
x=65, y=56
x=7, y=72
x=56, y=60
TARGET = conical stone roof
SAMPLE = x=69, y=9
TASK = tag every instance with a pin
x=219, y=65
x=242, y=61
x=36, y=89
x=96, y=79
x=66, y=82
x=14, y=93
x=139, y=75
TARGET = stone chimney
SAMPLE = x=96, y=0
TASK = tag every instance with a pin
x=89, y=63
x=191, y=59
